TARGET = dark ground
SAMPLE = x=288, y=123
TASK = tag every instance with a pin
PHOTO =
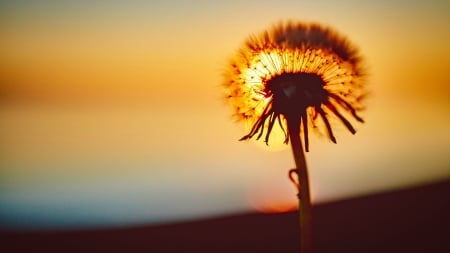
x=412, y=220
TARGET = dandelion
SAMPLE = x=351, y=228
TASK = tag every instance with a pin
x=300, y=77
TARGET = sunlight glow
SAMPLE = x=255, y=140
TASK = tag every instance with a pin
x=110, y=111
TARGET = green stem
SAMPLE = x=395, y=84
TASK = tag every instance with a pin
x=304, y=202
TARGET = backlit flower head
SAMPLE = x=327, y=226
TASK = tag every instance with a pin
x=304, y=73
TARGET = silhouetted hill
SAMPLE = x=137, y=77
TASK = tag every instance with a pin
x=411, y=220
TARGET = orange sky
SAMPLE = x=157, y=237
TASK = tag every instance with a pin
x=121, y=103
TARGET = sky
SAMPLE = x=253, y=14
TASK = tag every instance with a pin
x=112, y=112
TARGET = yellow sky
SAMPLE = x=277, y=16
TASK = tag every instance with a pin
x=125, y=100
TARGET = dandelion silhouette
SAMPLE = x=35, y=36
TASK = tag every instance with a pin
x=298, y=76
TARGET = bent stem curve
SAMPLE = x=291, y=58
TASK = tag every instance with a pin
x=304, y=202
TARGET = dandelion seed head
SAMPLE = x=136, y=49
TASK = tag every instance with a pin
x=300, y=71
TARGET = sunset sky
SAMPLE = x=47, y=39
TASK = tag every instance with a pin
x=112, y=112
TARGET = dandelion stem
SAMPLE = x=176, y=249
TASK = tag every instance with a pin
x=304, y=202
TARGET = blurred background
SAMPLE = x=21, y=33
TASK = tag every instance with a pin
x=112, y=112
